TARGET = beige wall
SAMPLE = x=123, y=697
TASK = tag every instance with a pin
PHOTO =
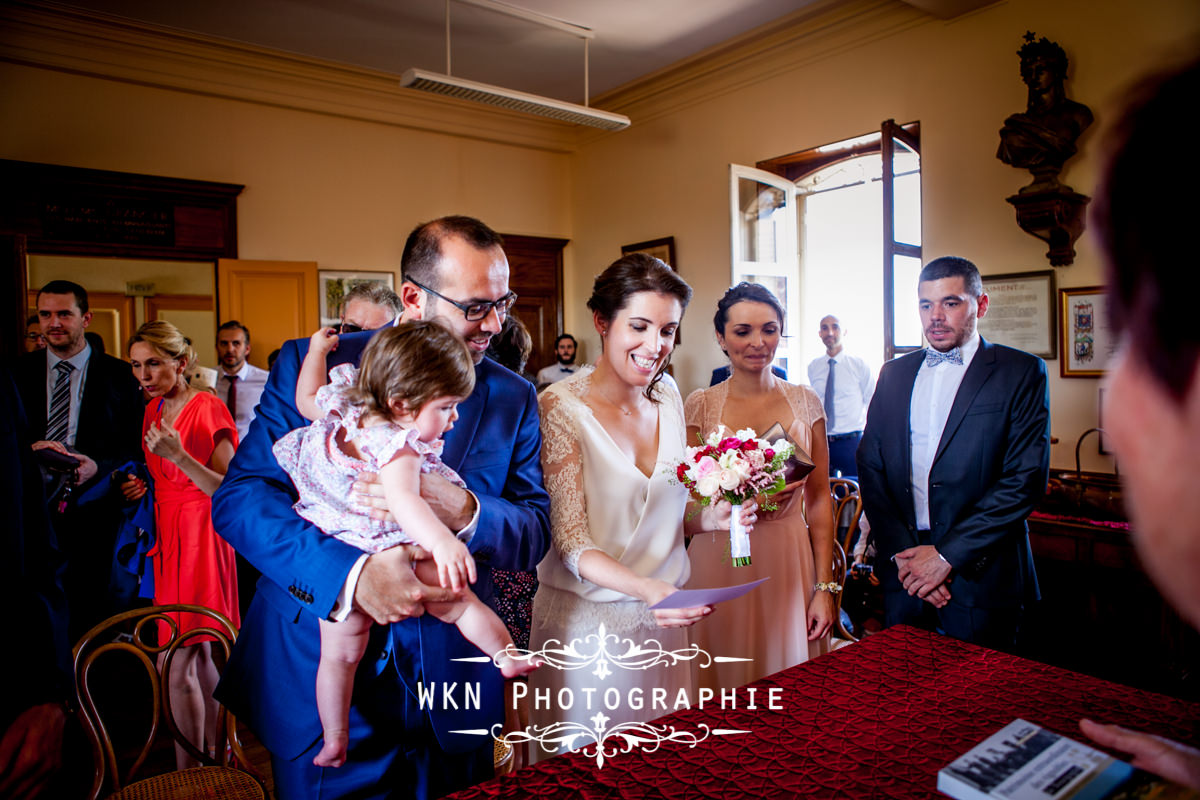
x=667, y=175
x=340, y=191
x=338, y=164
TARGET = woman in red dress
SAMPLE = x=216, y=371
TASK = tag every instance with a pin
x=189, y=438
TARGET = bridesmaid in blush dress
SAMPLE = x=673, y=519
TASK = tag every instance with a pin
x=189, y=439
x=786, y=620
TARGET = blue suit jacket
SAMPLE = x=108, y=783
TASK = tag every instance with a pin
x=989, y=472
x=270, y=679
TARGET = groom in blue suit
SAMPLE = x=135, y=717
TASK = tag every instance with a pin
x=954, y=456
x=454, y=269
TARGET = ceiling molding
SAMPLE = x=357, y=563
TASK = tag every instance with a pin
x=817, y=32
x=57, y=37
x=53, y=36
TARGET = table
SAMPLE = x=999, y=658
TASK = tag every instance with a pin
x=876, y=719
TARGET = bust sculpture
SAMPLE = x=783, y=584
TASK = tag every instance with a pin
x=1042, y=138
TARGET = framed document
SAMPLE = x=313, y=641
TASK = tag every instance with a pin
x=1087, y=339
x=1021, y=312
x=334, y=284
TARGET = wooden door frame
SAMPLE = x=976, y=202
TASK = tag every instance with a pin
x=56, y=210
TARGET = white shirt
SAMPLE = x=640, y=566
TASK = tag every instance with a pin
x=251, y=382
x=853, y=385
x=78, y=380
x=555, y=372
x=933, y=395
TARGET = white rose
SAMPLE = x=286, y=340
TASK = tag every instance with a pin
x=730, y=479
x=746, y=433
x=709, y=484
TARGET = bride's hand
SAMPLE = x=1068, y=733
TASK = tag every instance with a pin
x=715, y=516
x=655, y=591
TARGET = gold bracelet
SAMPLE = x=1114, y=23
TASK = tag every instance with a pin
x=832, y=587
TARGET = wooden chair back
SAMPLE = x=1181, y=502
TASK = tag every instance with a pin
x=847, y=511
x=124, y=708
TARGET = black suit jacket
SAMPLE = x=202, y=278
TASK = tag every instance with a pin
x=989, y=472
x=30, y=569
x=110, y=416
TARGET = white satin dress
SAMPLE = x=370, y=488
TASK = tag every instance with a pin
x=600, y=500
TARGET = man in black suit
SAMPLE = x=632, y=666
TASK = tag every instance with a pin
x=33, y=705
x=86, y=404
x=954, y=456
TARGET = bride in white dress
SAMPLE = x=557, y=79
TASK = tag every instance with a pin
x=610, y=438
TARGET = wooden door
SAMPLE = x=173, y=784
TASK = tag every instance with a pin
x=535, y=274
x=276, y=300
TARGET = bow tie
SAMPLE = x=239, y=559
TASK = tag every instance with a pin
x=935, y=357
x=566, y=369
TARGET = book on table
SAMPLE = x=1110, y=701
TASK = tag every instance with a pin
x=1024, y=761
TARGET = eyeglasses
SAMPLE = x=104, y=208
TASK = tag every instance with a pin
x=475, y=311
x=349, y=327
x=33, y=337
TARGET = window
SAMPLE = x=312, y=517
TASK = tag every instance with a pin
x=845, y=215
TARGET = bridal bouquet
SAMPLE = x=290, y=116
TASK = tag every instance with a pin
x=736, y=467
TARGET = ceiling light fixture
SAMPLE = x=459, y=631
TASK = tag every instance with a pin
x=447, y=84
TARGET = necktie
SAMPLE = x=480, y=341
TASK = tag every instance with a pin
x=934, y=357
x=231, y=399
x=829, y=415
x=60, y=404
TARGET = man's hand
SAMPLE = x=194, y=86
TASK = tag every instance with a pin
x=924, y=573
x=87, y=467
x=388, y=589
x=31, y=751
x=452, y=504
x=1172, y=760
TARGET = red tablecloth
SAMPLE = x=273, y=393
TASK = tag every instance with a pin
x=876, y=719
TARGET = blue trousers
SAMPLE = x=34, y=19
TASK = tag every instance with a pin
x=391, y=756
x=841, y=455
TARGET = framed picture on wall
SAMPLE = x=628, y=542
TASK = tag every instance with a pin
x=1021, y=312
x=662, y=249
x=333, y=285
x=1085, y=336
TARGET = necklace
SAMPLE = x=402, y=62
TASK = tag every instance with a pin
x=622, y=409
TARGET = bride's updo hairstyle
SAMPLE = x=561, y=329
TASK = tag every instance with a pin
x=745, y=292
x=168, y=340
x=629, y=275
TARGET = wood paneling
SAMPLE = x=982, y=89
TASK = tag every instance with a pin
x=535, y=274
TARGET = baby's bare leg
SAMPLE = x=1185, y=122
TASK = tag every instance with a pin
x=342, y=647
x=478, y=623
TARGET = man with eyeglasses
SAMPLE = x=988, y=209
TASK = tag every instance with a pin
x=455, y=270
x=368, y=307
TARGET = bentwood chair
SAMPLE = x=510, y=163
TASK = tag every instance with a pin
x=840, y=636
x=124, y=709
x=847, y=512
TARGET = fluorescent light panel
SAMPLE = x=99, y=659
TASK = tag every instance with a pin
x=516, y=101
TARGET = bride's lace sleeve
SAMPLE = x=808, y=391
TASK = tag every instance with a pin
x=562, y=471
